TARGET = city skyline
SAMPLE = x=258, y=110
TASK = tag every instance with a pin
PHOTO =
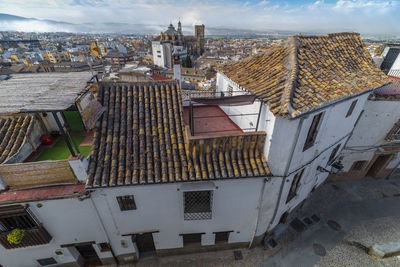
x=364, y=16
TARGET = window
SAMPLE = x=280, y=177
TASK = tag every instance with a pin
x=222, y=237
x=126, y=203
x=47, y=261
x=312, y=132
x=352, y=106
x=15, y=217
x=197, y=205
x=294, y=186
x=191, y=239
x=333, y=154
x=358, y=165
x=394, y=133
x=230, y=90
x=104, y=247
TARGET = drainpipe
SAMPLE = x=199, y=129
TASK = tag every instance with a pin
x=259, y=211
x=104, y=230
x=286, y=171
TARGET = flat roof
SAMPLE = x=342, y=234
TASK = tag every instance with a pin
x=210, y=120
x=38, y=92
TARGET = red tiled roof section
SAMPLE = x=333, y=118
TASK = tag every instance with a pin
x=308, y=71
x=42, y=193
x=140, y=138
x=159, y=77
x=13, y=131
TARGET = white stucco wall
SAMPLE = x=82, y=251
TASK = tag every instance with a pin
x=283, y=159
x=67, y=221
x=367, y=136
x=160, y=208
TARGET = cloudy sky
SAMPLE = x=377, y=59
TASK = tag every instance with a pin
x=365, y=16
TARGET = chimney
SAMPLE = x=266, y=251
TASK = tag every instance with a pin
x=177, y=67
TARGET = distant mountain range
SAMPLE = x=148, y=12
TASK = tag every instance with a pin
x=22, y=24
x=17, y=23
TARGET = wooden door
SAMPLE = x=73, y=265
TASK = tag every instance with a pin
x=145, y=244
x=379, y=165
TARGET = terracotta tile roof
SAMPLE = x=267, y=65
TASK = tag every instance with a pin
x=308, y=71
x=141, y=139
x=13, y=131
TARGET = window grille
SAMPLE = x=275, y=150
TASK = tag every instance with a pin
x=197, y=205
x=394, y=134
x=126, y=202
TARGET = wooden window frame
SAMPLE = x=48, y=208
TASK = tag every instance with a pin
x=294, y=187
x=126, y=202
x=351, y=108
x=13, y=217
x=313, y=131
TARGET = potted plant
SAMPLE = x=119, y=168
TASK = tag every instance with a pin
x=15, y=237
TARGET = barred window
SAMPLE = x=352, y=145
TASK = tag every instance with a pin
x=126, y=202
x=197, y=205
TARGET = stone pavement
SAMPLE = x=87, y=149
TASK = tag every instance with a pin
x=359, y=213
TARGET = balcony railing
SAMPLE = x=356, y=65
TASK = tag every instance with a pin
x=33, y=237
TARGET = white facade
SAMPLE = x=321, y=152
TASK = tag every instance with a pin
x=285, y=141
x=68, y=221
x=162, y=54
x=160, y=209
x=367, y=138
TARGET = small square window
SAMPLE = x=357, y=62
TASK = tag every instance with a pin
x=104, y=247
x=191, y=239
x=126, y=202
x=47, y=261
x=352, y=106
x=222, y=237
x=358, y=165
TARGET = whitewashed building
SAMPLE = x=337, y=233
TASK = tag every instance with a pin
x=374, y=151
x=46, y=198
x=162, y=53
x=309, y=97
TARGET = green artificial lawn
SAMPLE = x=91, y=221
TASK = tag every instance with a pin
x=60, y=151
x=74, y=121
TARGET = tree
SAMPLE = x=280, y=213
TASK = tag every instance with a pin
x=187, y=62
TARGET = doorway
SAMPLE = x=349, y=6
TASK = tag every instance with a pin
x=379, y=165
x=89, y=255
x=145, y=244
